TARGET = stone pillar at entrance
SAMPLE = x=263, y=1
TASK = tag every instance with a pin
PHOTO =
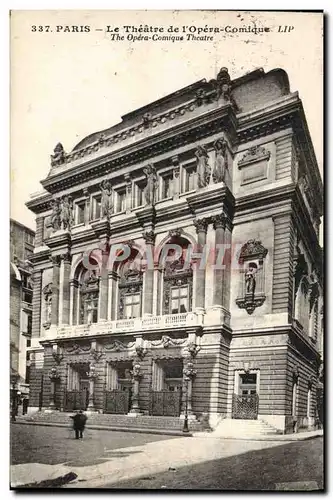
x=136, y=376
x=55, y=290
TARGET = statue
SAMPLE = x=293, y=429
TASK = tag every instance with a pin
x=221, y=161
x=250, y=280
x=224, y=84
x=59, y=155
x=66, y=212
x=203, y=168
x=106, y=199
x=150, y=189
x=55, y=216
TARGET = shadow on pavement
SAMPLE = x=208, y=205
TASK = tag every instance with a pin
x=254, y=470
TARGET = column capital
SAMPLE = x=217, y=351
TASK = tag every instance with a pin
x=55, y=259
x=149, y=237
x=219, y=221
x=66, y=257
x=201, y=225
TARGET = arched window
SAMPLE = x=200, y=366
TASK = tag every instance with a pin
x=89, y=295
x=177, y=279
x=85, y=294
x=130, y=287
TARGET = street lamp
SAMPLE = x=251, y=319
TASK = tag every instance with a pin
x=188, y=374
x=185, y=426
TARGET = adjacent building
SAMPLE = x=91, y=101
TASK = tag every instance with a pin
x=21, y=250
x=151, y=328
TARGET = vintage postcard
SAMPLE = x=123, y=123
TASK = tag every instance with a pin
x=166, y=267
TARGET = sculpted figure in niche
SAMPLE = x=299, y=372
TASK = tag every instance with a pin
x=106, y=199
x=203, y=168
x=59, y=154
x=67, y=212
x=150, y=189
x=221, y=161
x=250, y=279
x=56, y=215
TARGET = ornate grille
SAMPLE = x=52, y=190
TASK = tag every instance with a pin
x=165, y=403
x=118, y=402
x=245, y=406
x=76, y=400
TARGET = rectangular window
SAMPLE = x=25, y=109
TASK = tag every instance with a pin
x=79, y=212
x=29, y=327
x=189, y=178
x=132, y=306
x=121, y=200
x=179, y=299
x=96, y=207
x=166, y=188
x=139, y=190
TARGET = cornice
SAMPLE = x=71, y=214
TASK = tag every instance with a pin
x=166, y=140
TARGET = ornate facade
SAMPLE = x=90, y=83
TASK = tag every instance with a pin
x=225, y=164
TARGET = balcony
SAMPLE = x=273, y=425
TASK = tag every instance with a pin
x=170, y=321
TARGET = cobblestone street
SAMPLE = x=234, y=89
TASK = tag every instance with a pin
x=107, y=459
x=56, y=445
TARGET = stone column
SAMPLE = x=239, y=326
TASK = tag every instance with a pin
x=67, y=258
x=176, y=176
x=73, y=291
x=149, y=237
x=104, y=290
x=201, y=229
x=113, y=277
x=128, y=180
x=55, y=289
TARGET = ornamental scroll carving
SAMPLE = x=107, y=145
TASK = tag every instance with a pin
x=253, y=155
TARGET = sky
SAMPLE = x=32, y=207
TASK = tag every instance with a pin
x=66, y=85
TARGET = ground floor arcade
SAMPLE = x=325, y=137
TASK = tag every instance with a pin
x=207, y=375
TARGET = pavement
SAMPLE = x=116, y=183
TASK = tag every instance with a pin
x=112, y=458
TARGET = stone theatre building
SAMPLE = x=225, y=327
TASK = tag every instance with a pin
x=218, y=164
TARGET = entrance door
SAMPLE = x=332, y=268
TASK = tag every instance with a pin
x=246, y=402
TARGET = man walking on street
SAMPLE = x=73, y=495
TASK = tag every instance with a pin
x=79, y=422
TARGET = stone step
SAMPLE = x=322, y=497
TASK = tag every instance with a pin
x=148, y=422
x=242, y=427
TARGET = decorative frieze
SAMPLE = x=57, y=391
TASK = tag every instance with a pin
x=166, y=342
x=118, y=346
x=253, y=155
